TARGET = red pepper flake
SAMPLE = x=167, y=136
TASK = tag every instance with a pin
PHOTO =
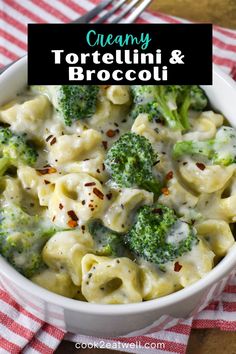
x=72, y=215
x=48, y=138
x=72, y=223
x=177, y=267
x=200, y=165
x=46, y=181
x=165, y=191
x=90, y=184
x=169, y=175
x=90, y=205
x=111, y=133
x=98, y=193
x=47, y=171
x=53, y=141
x=109, y=196
x=61, y=206
x=104, y=143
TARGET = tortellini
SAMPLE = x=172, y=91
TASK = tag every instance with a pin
x=118, y=94
x=217, y=234
x=193, y=265
x=71, y=148
x=27, y=117
x=110, y=281
x=57, y=282
x=219, y=205
x=156, y=283
x=160, y=139
x=65, y=250
x=118, y=217
x=208, y=179
x=38, y=185
x=77, y=198
x=180, y=199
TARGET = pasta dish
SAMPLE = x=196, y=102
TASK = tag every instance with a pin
x=115, y=194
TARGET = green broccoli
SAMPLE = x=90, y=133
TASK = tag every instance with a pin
x=221, y=150
x=15, y=150
x=73, y=102
x=191, y=97
x=159, y=236
x=130, y=161
x=108, y=242
x=22, y=238
x=170, y=102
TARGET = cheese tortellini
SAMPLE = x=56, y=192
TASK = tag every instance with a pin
x=110, y=281
x=86, y=255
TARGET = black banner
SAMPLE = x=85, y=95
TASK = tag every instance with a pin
x=62, y=54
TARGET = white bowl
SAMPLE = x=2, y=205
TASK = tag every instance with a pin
x=115, y=320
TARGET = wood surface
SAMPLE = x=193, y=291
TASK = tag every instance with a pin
x=222, y=13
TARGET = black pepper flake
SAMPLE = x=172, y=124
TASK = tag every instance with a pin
x=155, y=163
x=83, y=202
x=117, y=261
x=109, y=196
x=90, y=275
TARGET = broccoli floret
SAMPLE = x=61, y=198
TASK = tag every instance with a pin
x=108, y=242
x=130, y=161
x=15, y=150
x=159, y=236
x=191, y=97
x=73, y=102
x=221, y=150
x=170, y=102
x=22, y=238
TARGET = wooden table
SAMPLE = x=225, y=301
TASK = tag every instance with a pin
x=223, y=13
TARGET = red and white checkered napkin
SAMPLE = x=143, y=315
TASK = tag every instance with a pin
x=22, y=332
